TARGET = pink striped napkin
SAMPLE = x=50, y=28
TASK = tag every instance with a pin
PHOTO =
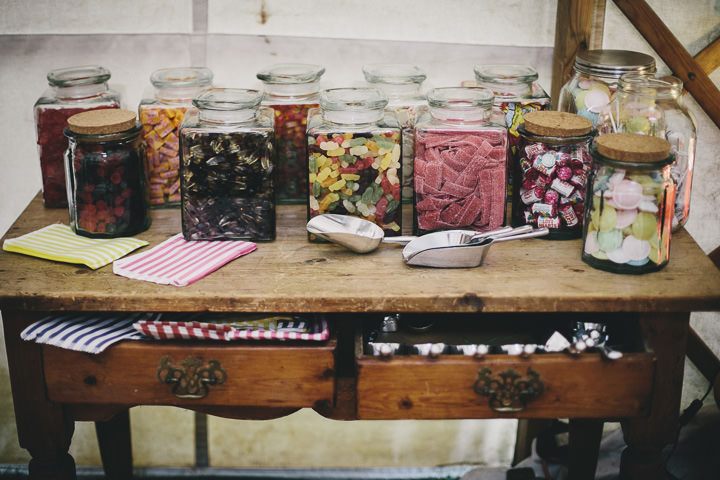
x=179, y=262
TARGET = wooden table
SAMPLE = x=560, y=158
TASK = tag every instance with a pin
x=528, y=282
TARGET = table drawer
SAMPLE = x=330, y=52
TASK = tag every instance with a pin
x=543, y=385
x=280, y=374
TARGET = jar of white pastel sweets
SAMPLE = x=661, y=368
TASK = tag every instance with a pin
x=595, y=80
x=630, y=203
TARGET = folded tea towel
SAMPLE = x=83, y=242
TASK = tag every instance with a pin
x=58, y=242
x=86, y=332
x=179, y=262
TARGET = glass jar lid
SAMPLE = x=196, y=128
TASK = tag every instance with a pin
x=76, y=76
x=393, y=73
x=353, y=105
x=506, y=81
x=634, y=149
x=291, y=73
x=228, y=104
x=613, y=63
x=460, y=103
x=181, y=77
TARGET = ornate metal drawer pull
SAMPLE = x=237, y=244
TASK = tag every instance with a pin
x=192, y=380
x=509, y=392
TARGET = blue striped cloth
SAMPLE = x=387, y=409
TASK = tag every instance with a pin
x=86, y=332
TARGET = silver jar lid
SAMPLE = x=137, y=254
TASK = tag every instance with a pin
x=613, y=63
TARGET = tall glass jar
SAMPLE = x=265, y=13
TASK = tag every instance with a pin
x=631, y=194
x=460, y=162
x=291, y=89
x=551, y=168
x=72, y=90
x=161, y=117
x=517, y=92
x=105, y=168
x=402, y=84
x=226, y=167
x=595, y=80
x=354, y=154
x=654, y=106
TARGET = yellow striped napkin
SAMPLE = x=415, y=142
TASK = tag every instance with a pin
x=58, y=242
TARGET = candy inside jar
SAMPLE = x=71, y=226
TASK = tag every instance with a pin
x=227, y=168
x=354, y=152
x=628, y=217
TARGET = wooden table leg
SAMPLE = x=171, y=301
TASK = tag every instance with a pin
x=584, y=448
x=115, y=446
x=666, y=334
x=44, y=428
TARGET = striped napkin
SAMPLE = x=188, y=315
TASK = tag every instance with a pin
x=58, y=242
x=179, y=262
x=86, y=332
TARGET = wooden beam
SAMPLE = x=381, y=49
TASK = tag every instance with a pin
x=709, y=57
x=674, y=54
x=579, y=26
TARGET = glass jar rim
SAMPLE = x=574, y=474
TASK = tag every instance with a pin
x=352, y=99
x=613, y=63
x=75, y=76
x=228, y=99
x=664, y=87
x=179, y=77
x=460, y=97
x=393, y=73
x=505, y=73
x=285, y=73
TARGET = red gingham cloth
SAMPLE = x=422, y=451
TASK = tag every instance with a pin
x=179, y=262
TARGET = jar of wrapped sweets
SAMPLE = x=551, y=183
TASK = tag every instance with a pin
x=105, y=168
x=460, y=163
x=161, y=116
x=595, y=80
x=402, y=84
x=291, y=90
x=629, y=210
x=226, y=167
x=354, y=151
x=72, y=90
x=551, y=169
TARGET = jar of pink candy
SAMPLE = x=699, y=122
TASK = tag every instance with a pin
x=551, y=168
x=631, y=197
x=460, y=163
x=595, y=81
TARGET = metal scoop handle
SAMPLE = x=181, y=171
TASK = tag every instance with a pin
x=405, y=239
x=522, y=232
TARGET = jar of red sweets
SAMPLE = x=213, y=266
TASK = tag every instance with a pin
x=630, y=205
x=550, y=170
x=460, y=163
x=354, y=151
x=105, y=168
x=161, y=116
x=291, y=89
x=72, y=90
x=402, y=85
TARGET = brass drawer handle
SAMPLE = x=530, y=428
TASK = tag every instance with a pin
x=192, y=381
x=508, y=392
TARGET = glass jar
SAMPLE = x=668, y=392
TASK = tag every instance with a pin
x=105, y=168
x=551, y=168
x=631, y=194
x=161, y=117
x=595, y=80
x=648, y=105
x=72, y=90
x=402, y=84
x=226, y=167
x=517, y=92
x=460, y=163
x=291, y=89
x=354, y=154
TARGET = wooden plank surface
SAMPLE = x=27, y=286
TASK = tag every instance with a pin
x=294, y=275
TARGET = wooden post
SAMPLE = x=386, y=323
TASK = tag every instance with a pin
x=579, y=26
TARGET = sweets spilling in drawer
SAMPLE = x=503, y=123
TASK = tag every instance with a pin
x=280, y=374
x=427, y=368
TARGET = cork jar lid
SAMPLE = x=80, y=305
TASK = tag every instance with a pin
x=632, y=147
x=100, y=122
x=557, y=124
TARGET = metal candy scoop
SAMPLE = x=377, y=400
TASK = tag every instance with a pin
x=363, y=236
